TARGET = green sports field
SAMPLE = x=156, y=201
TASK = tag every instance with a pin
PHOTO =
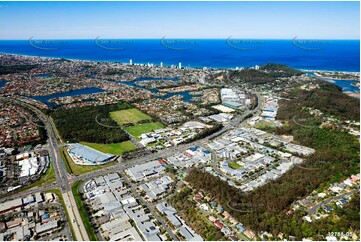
x=115, y=149
x=137, y=130
x=126, y=116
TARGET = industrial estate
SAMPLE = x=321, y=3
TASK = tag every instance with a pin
x=126, y=151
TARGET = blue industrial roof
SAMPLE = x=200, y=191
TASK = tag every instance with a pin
x=88, y=154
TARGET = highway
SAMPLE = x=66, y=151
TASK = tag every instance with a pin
x=60, y=173
x=64, y=179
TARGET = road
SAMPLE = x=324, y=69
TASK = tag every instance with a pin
x=314, y=209
x=234, y=126
x=60, y=173
x=151, y=207
x=29, y=192
x=64, y=179
x=74, y=217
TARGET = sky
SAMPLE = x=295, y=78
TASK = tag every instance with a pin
x=257, y=20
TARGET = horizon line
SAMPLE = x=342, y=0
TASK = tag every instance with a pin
x=235, y=38
x=193, y=67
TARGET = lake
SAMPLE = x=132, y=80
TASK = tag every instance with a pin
x=187, y=97
x=45, y=99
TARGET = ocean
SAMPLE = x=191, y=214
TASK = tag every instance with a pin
x=332, y=55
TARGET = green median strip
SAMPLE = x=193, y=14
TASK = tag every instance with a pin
x=65, y=157
x=83, y=211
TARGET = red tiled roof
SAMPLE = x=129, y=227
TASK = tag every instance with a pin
x=219, y=224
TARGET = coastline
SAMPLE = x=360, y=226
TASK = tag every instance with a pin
x=346, y=72
x=165, y=65
x=353, y=94
x=329, y=80
x=54, y=58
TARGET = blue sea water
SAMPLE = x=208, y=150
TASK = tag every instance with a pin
x=336, y=55
x=333, y=55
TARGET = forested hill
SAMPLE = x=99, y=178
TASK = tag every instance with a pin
x=327, y=98
x=278, y=70
x=266, y=73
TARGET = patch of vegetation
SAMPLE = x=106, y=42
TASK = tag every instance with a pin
x=234, y=165
x=66, y=158
x=208, y=131
x=83, y=211
x=266, y=73
x=250, y=75
x=62, y=60
x=278, y=70
x=328, y=99
x=129, y=116
x=266, y=126
x=336, y=158
x=187, y=209
x=6, y=69
x=343, y=219
x=134, y=154
x=115, y=149
x=90, y=124
x=139, y=129
x=47, y=178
